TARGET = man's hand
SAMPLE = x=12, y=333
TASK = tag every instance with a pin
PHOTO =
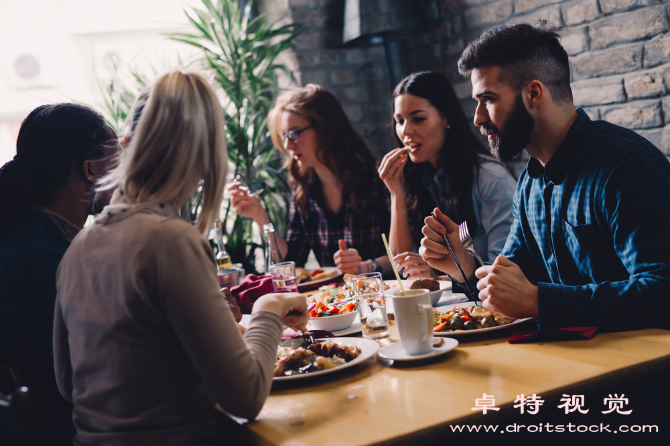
x=437, y=255
x=503, y=288
x=232, y=303
x=347, y=260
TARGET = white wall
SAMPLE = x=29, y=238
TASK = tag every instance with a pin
x=72, y=42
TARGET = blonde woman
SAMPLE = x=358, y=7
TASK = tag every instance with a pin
x=145, y=345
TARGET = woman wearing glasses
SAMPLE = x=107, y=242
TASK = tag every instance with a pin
x=339, y=207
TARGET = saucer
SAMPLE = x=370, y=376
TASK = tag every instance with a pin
x=395, y=351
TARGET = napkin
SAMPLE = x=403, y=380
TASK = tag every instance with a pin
x=251, y=289
x=562, y=334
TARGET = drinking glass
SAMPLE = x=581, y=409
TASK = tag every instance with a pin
x=369, y=292
x=283, y=277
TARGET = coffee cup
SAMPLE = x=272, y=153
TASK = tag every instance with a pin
x=414, y=318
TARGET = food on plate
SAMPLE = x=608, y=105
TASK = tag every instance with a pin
x=301, y=275
x=320, y=274
x=331, y=300
x=319, y=356
x=304, y=276
x=475, y=318
x=425, y=284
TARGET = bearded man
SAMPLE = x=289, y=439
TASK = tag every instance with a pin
x=590, y=240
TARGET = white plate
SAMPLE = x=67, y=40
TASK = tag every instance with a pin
x=445, y=285
x=317, y=283
x=395, y=351
x=458, y=334
x=369, y=349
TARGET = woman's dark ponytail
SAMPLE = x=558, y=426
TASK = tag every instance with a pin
x=52, y=139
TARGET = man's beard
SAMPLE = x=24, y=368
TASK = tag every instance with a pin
x=516, y=132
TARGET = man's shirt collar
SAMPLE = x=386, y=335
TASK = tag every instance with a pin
x=558, y=165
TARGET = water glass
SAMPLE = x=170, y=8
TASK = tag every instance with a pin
x=369, y=292
x=283, y=277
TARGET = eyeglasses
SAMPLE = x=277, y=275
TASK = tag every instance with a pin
x=292, y=135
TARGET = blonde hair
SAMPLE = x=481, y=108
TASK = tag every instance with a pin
x=179, y=138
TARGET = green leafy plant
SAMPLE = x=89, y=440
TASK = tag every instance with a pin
x=241, y=52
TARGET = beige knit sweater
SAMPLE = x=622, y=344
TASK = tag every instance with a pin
x=144, y=342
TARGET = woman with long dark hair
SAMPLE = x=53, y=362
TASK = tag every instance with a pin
x=46, y=194
x=339, y=207
x=439, y=162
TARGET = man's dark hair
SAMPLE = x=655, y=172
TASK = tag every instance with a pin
x=524, y=52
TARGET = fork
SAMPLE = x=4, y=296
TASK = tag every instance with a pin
x=458, y=264
x=467, y=242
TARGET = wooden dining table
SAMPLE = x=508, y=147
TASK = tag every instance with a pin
x=381, y=402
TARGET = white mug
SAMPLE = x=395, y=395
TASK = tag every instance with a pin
x=414, y=317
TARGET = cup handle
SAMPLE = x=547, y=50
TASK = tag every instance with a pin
x=427, y=309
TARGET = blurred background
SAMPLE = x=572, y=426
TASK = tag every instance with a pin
x=102, y=52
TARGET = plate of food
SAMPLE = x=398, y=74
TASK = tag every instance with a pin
x=332, y=308
x=316, y=277
x=467, y=318
x=436, y=288
x=326, y=356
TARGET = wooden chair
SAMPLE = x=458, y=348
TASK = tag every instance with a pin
x=21, y=422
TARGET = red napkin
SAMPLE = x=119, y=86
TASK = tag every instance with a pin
x=252, y=288
x=562, y=334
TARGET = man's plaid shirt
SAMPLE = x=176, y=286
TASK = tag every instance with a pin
x=319, y=229
x=592, y=230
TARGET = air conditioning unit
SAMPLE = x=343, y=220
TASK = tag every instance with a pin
x=27, y=70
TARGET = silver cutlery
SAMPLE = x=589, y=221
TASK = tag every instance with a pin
x=458, y=264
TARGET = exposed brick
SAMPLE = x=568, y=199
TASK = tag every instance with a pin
x=552, y=14
x=314, y=77
x=475, y=2
x=358, y=93
x=580, y=11
x=593, y=112
x=523, y=6
x=575, y=40
x=634, y=115
x=463, y=90
x=666, y=108
x=606, y=90
x=354, y=112
x=657, y=50
x=310, y=40
x=343, y=77
x=665, y=140
x=644, y=84
x=310, y=59
x=489, y=14
x=357, y=56
x=302, y=3
x=654, y=136
x=612, y=61
x=639, y=24
x=313, y=19
x=610, y=6
x=455, y=47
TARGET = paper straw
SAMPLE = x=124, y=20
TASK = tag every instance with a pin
x=397, y=276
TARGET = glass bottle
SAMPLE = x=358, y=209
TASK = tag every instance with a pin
x=222, y=258
x=272, y=254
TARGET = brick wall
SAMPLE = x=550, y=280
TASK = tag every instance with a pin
x=619, y=54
